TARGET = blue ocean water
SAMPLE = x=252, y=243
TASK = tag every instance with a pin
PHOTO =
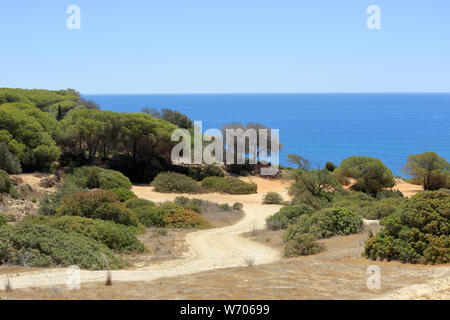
x=319, y=127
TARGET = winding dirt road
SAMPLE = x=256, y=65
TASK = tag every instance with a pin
x=208, y=249
x=218, y=248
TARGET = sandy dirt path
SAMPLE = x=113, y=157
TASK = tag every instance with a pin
x=208, y=249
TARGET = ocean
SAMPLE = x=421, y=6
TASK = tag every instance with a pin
x=319, y=127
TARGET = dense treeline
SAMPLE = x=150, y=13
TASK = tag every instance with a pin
x=39, y=127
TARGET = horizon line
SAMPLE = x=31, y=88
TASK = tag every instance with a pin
x=255, y=93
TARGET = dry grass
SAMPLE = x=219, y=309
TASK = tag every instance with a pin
x=162, y=245
x=337, y=273
x=218, y=217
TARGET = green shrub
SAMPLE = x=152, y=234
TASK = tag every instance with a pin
x=174, y=182
x=320, y=184
x=51, y=201
x=229, y=185
x=224, y=207
x=419, y=233
x=170, y=215
x=123, y=194
x=306, y=198
x=97, y=204
x=330, y=166
x=197, y=202
x=138, y=202
x=115, y=236
x=184, y=218
x=14, y=193
x=41, y=246
x=5, y=182
x=182, y=201
x=3, y=219
x=191, y=204
x=272, y=198
x=302, y=245
x=238, y=206
x=211, y=171
x=369, y=207
x=389, y=194
x=326, y=223
x=287, y=215
x=150, y=216
x=95, y=177
x=379, y=210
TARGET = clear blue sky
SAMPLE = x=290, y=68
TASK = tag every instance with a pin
x=226, y=46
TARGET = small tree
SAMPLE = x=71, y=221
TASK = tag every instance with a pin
x=299, y=161
x=272, y=198
x=371, y=174
x=330, y=166
x=318, y=183
x=429, y=169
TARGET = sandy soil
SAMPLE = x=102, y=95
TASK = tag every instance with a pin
x=33, y=179
x=337, y=273
x=207, y=249
x=216, y=266
x=408, y=189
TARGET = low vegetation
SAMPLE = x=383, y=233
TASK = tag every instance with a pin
x=5, y=182
x=3, y=219
x=138, y=202
x=98, y=204
x=368, y=207
x=288, y=215
x=272, y=198
x=115, y=236
x=51, y=202
x=97, y=178
x=419, y=233
x=123, y=194
x=169, y=215
x=303, y=245
x=175, y=182
x=229, y=185
x=41, y=246
x=326, y=223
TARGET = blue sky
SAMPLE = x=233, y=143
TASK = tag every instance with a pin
x=226, y=46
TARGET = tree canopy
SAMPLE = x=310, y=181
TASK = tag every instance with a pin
x=371, y=174
x=175, y=117
x=36, y=126
x=429, y=170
